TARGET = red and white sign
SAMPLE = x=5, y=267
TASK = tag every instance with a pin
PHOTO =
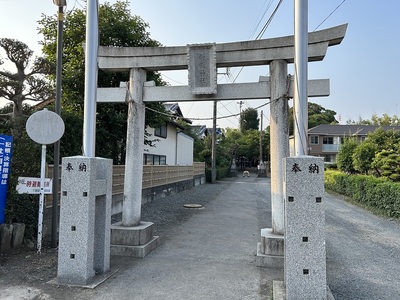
x=30, y=185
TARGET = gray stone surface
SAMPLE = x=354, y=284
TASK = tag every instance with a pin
x=271, y=244
x=85, y=218
x=279, y=132
x=267, y=260
x=17, y=235
x=305, y=256
x=279, y=291
x=202, y=66
x=260, y=52
x=132, y=202
x=5, y=236
x=139, y=251
x=134, y=241
x=231, y=91
x=133, y=236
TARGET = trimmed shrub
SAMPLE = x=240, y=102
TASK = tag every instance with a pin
x=377, y=193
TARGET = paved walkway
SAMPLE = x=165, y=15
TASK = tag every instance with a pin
x=211, y=256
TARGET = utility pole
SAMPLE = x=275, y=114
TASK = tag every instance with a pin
x=213, y=148
x=261, y=126
x=261, y=165
x=240, y=113
x=56, y=164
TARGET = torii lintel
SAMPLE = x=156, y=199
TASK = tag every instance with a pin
x=258, y=52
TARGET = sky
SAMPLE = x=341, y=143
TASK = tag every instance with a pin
x=363, y=70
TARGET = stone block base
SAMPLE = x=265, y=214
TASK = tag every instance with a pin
x=270, y=252
x=279, y=291
x=132, y=236
x=135, y=251
x=271, y=243
x=268, y=261
x=94, y=282
x=135, y=241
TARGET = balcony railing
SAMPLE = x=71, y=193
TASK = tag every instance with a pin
x=331, y=147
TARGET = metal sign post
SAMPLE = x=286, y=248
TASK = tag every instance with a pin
x=44, y=127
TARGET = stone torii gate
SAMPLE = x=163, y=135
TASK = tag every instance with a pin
x=133, y=237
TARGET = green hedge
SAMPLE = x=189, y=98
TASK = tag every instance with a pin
x=377, y=193
x=221, y=173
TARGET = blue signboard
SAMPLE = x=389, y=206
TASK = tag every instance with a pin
x=5, y=162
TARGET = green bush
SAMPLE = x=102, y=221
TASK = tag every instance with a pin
x=222, y=172
x=377, y=193
x=23, y=208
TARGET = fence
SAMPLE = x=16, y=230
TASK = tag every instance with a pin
x=152, y=176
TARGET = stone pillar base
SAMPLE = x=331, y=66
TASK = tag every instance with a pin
x=279, y=291
x=135, y=241
x=270, y=252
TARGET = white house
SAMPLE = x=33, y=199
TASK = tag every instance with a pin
x=172, y=147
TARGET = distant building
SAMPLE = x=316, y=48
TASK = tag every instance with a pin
x=202, y=131
x=173, y=146
x=325, y=140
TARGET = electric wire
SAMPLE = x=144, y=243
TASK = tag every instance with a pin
x=259, y=36
x=262, y=17
x=329, y=15
x=211, y=118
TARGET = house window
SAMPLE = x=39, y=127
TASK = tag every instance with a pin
x=161, y=132
x=147, y=159
x=314, y=140
x=151, y=159
x=328, y=140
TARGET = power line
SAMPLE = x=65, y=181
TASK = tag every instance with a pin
x=329, y=15
x=262, y=17
x=269, y=21
x=259, y=36
x=208, y=119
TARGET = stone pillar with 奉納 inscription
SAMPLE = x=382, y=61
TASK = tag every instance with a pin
x=305, y=255
x=85, y=219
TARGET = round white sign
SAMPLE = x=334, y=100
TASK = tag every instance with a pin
x=45, y=127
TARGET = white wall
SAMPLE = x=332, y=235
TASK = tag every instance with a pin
x=184, y=150
x=165, y=146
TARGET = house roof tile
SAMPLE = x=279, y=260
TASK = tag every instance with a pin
x=346, y=130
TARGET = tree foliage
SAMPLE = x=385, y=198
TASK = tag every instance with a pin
x=118, y=28
x=384, y=120
x=246, y=145
x=249, y=120
x=27, y=82
x=317, y=115
x=378, y=154
x=345, y=156
x=363, y=157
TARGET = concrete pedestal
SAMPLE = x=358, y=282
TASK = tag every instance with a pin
x=135, y=241
x=271, y=250
x=85, y=219
x=279, y=291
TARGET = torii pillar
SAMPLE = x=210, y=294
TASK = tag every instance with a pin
x=279, y=131
x=133, y=237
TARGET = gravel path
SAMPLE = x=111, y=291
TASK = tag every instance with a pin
x=363, y=253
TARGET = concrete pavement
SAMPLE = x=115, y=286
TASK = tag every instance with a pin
x=211, y=256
